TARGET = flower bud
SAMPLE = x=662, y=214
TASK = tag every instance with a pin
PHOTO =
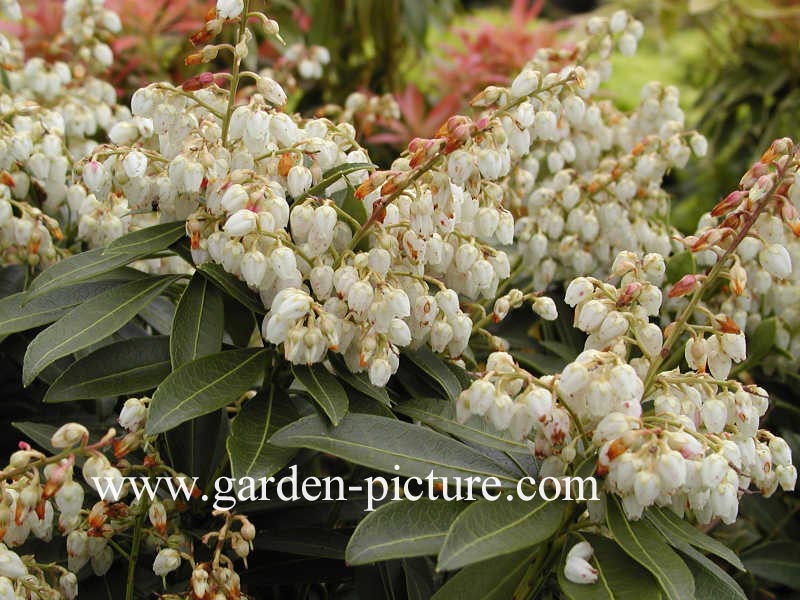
x=546, y=308
x=776, y=261
x=69, y=435
x=166, y=561
x=271, y=90
x=229, y=9
x=133, y=414
x=241, y=223
x=135, y=164
x=525, y=83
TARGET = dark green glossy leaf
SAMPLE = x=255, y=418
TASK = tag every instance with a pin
x=148, y=240
x=434, y=366
x=493, y=579
x=710, y=581
x=775, y=561
x=125, y=367
x=204, y=385
x=382, y=443
x=618, y=576
x=197, y=326
x=645, y=544
x=493, y=528
x=324, y=388
x=91, y=322
x=402, y=529
x=250, y=453
x=678, y=532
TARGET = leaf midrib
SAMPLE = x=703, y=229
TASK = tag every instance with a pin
x=206, y=387
x=98, y=322
x=489, y=536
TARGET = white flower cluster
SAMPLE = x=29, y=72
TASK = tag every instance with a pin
x=52, y=113
x=21, y=580
x=697, y=443
x=590, y=184
x=767, y=279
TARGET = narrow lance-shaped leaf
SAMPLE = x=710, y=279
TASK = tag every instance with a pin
x=204, y=385
x=493, y=528
x=250, y=453
x=124, y=367
x=434, y=366
x=382, y=443
x=148, y=240
x=644, y=544
x=90, y=323
x=402, y=529
x=678, y=533
x=331, y=176
x=19, y=314
x=493, y=579
x=710, y=580
x=198, y=323
x=326, y=391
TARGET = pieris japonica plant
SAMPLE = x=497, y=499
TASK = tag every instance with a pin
x=506, y=302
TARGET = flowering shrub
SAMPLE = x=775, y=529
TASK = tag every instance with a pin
x=277, y=297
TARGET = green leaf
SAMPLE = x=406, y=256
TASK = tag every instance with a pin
x=232, y=286
x=493, y=528
x=324, y=388
x=680, y=533
x=775, y=561
x=204, y=385
x=148, y=240
x=494, y=579
x=359, y=381
x=250, y=453
x=710, y=581
x=434, y=366
x=618, y=577
x=332, y=175
x=19, y=314
x=91, y=322
x=382, y=443
x=441, y=415
x=644, y=544
x=679, y=265
x=82, y=266
x=125, y=367
x=198, y=323
x=401, y=529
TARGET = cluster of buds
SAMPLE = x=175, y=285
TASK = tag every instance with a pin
x=764, y=275
x=21, y=577
x=590, y=183
x=577, y=567
x=513, y=400
x=216, y=578
x=52, y=113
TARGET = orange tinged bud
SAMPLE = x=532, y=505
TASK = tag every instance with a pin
x=285, y=164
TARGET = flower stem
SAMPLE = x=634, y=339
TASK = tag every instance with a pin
x=235, y=75
x=136, y=544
